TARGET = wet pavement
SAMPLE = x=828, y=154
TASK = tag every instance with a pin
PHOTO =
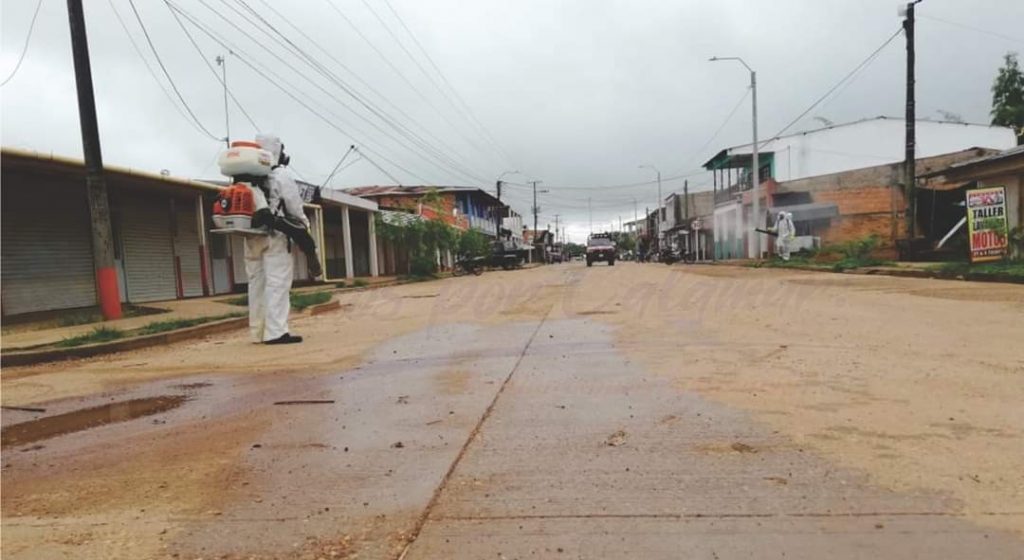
x=523, y=438
x=588, y=457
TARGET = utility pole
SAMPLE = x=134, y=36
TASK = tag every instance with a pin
x=590, y=213
x=224, y=79
x=536, y=209
x=755, y=241
x=556, y=226
x=95, y=185
x=910, y=161
x=657, y=232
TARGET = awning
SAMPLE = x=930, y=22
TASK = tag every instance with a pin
x=809, y=211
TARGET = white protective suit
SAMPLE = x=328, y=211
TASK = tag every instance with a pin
x=268, y=261
x=787, y=233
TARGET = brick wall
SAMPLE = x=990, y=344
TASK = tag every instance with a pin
x=865, y=198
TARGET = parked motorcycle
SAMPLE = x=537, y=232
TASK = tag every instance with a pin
x=474, y=266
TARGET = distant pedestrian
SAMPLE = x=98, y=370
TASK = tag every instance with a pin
x=785, y=234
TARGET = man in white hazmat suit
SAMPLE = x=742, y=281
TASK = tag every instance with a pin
x=786, y=234
x=268, y=260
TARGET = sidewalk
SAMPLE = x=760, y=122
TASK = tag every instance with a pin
x=24, y=338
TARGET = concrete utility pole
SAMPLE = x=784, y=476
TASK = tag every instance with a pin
x=658, y=215
x=223, y=63
x=590, y=214
x=497, y=194
x=95, y=185
x=536, y=209
x=754, y=246
x=556, y=227
x=910, y=158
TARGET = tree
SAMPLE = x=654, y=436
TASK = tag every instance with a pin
x=1008, y=97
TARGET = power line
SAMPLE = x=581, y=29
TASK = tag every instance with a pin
x=381, y=169
x=24, y=50
x=152, y=72
x=1018, y=40
x=275, y=79
x=292, y=48
x=402, y=76
x=451, y=161
x=220, y=80
x=279, y=79
x=167, y=74
x=856, y=69
x=415, y=61
x=718, y=130
x=455, y=92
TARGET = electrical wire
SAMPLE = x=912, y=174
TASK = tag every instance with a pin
x=415, y=61
x=275, y=79
x=278, y=79
x=218, y=77
x=398, y=72
x=341, y=161
x=290, y=46
x=379, y=168
x=24, y=50
x=156, y=55
x=837, y=85
x=1018, y=40
x=406, y=117
x=486, y=133
x=152, y=72
x=718, y=130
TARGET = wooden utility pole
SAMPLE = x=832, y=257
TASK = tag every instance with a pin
x=95, y=185
x=910, y=158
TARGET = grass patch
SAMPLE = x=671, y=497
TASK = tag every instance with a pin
x=412, y=278
x=240, y=301
x=98, y=334
x=175, y=324
x=341, y=284
x=360, y=283
x=301, y=301
x=1006, y=268
x=838, y=257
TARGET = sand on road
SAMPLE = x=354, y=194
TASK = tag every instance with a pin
x=917, y=384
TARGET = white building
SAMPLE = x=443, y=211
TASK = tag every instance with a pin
x=865, y=143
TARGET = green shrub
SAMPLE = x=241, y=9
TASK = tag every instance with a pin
x=175, y=324
x=360, y=283
x=341, y=284
x=98, y=334
x=423, y=265
x=301, y=301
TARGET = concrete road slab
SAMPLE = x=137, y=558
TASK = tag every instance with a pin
x=587, y=453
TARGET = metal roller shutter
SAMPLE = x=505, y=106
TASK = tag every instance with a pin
x=148, y=248
x=186, y=248
x=46, y=248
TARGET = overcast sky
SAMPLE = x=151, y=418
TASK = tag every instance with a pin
x=576, y=94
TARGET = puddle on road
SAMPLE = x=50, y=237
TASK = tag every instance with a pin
x=86, y=418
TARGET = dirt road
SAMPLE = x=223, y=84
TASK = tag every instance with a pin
x=635, y=411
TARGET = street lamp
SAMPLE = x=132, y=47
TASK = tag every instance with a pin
x=755, y=164
x=658, y=211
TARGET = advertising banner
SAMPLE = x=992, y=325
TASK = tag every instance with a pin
x=987, y=224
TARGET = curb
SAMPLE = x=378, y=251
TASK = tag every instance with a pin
x=909, y=273
x=33, y=357
x=27, y=358
x=332, y=305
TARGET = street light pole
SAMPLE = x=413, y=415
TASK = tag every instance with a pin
x=658, y=211
x=755, y=241
x=223, y=63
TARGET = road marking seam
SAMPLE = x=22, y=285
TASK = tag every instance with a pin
x=415, y=533
x=681, y=516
